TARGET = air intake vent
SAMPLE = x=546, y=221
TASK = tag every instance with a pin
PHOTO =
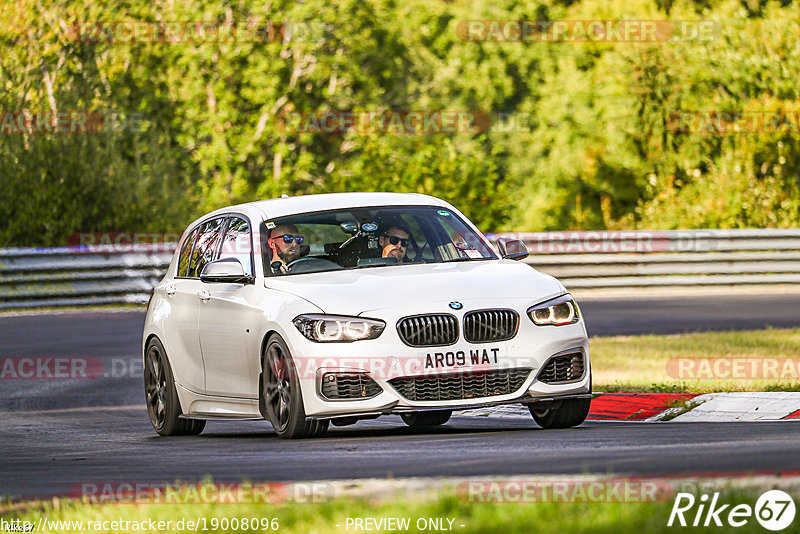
x=563, y=368
x=490, y=325
x=339, y=386
x=428, y=330
x=461, y=386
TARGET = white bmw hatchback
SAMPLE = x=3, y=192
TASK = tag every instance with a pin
x=332, y=308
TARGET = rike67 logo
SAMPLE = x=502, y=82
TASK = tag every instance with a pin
x=774, y=510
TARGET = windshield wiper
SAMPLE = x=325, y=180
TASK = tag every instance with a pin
x=465, y=258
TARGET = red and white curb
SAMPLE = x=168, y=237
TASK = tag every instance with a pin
x=683, y=407
x=737, y=406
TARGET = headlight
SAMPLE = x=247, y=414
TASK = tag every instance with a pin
x=556, y=312
x=338, y=328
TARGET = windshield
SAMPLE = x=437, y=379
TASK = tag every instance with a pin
x=356, y=238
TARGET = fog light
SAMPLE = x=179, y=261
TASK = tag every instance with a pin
x=348, y=385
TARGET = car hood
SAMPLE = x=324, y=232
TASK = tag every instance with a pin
x=357, y=291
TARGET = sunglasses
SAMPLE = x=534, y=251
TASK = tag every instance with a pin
x=288, y=238
x=393, y=239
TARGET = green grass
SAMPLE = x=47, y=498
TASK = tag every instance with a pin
x=468, y=517
x=639, y=363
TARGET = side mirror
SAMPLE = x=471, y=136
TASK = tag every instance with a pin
x=226, y=270
x=349, y=227
x=512, y=249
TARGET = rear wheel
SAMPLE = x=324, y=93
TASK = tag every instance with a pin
x=281, y=397
x=163, y=406
x=565, y=413
x=423, y=419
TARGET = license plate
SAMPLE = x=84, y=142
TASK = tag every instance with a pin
x=467, y=358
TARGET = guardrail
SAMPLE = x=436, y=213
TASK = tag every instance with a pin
x=674, y=258
x=79, y=276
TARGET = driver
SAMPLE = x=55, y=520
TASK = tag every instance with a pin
x=394, y=241
x=284, y=241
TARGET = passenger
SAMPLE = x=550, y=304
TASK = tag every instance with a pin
x=461, y=245
x=285, y=243
x=459, y=242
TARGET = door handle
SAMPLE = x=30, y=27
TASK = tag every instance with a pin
x=204, y=295
x=169, y=290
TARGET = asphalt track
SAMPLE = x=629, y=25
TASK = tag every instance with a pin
x=56, y=434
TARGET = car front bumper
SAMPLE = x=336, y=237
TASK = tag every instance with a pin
x=387, y=358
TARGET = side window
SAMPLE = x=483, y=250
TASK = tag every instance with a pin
x=459, y=241
x=236, y=243
x=186, y=251
x=206, y=247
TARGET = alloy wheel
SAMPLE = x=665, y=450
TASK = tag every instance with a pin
x=277, y=387
x=156, y=387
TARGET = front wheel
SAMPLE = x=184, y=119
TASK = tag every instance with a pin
x=281, y=397
x=566, y=413
x=423, y=419
x=163, y=406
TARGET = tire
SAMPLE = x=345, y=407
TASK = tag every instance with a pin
x=426, y=419
x=161, y=397
x=280, y=395
x=561, y=414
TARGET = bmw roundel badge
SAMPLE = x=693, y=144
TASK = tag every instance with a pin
x=456, y=305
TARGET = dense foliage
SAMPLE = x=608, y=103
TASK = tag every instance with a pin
x=582, y=133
